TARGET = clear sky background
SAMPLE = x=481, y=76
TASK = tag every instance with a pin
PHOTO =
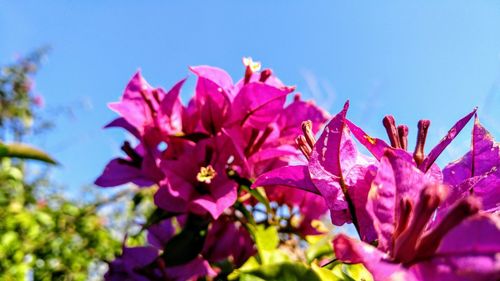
x=427, y=59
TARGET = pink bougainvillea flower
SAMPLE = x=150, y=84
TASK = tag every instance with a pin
x=477, y=172
x=463, y=245
x=335, y=170
x=251, y=102
x=197, y=180
x=151, y=116
x=252, y=113
x=149, y=113
x=228, y=239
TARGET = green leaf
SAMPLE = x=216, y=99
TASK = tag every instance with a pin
x=324, y=274
x=352, y=272
x=266, y=238
x=273, y=257
x=358, y=272
x=320, y=246
x=23, y=151
x=249, y=265
x=286, y=271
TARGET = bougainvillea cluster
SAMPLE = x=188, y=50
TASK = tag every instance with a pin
x=241, y=156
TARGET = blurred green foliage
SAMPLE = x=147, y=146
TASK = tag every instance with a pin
x=49, y=239
x=277, y=261
x=43, y=236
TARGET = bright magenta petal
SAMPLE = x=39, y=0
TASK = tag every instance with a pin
x=374, y=145
x=326, y=153
x=213, y=103
x=298, y=111
x=483, y=156
x=468, y=252
x=217, y=75
x=256, y=105
x=397, y=178
x=221, y=198
x=193, y=269
x=117, y=173
x=354, y=251
x=452, y=133
x=474, y=236
x=292, y=176
x=122, y=123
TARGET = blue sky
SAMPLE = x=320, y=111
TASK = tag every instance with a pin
x=431, y=59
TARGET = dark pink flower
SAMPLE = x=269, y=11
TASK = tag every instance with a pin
x=463, y=245
x=197, y=180
x=149, y=113
x=151, y=116
x=335, y=170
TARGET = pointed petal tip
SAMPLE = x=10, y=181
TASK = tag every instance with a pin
x=137, y=75
x=99, y=182
x=192, y=68
x=196, y=69
x=112, y=105
x=178, y=84
x=346, y=105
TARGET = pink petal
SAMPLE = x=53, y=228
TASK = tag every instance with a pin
x=468, y=252
x=213, y=103
x=256, y=105
x=291, y=176
x=374, y=145
x=117, y=173
x=326, y=152
x=354, y=251
x=293, y=115
x=484, y=155
x=452, y=133
x=217, y=75
x=397, y=178
x=122, y=123
x=221, y=199
x=193, y=269
x=477, y=235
